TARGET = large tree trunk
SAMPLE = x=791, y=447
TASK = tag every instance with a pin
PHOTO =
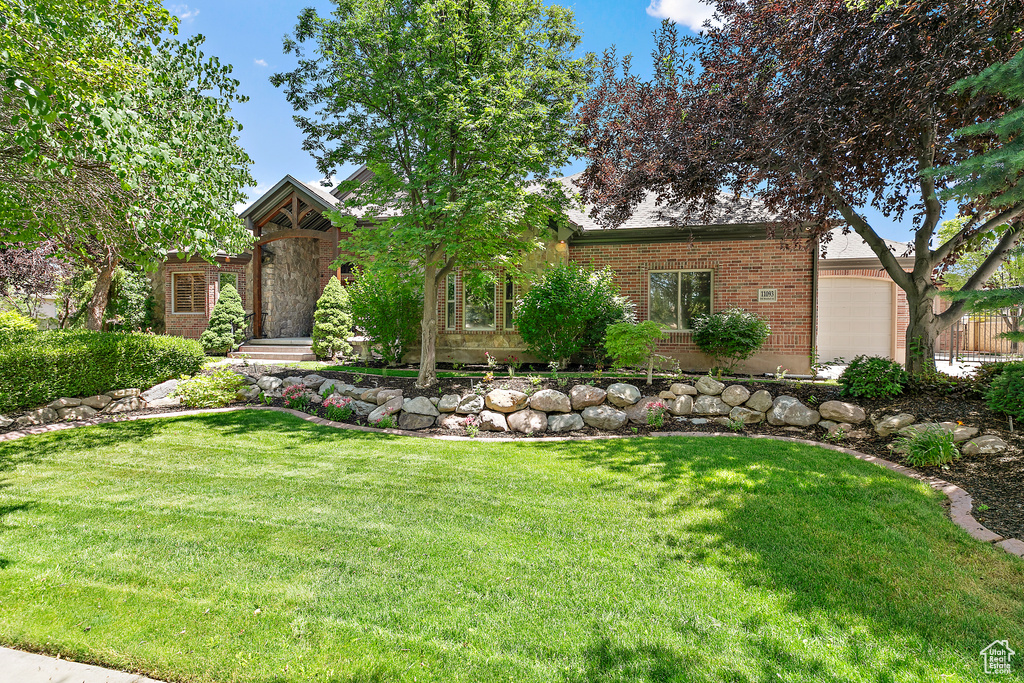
x=100, y=297
x=922, y=332
x=428, y=328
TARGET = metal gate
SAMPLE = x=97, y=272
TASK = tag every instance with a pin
x=978, y=337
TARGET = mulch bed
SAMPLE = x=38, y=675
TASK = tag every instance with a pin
x=995, y=482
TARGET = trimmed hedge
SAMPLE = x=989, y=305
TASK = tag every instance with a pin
x=39, y=367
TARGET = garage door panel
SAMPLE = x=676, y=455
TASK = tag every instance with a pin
x=854, y=318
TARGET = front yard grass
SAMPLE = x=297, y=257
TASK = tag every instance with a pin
x=258, y=547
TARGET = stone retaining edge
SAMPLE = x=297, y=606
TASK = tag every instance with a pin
x=960, y=502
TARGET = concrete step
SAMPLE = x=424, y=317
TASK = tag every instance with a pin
x=250, y=348
x=293, y=355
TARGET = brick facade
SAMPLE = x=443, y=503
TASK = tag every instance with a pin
x=191, y=325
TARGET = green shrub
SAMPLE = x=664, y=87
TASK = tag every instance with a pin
x=873, y=377
x=227, y=323
x=1006, y=395
x=730, y=337
x=984, y=375
x=387, y=307
x=13, y=321
x=928, y=448
x=332, y=322
x=568, y=311
x=39, y=367
x=210, y=390
x=633, y=344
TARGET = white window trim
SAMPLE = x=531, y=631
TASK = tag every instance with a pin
x=174, y=292
x=506, y=320
x=494, y=326
x=451, y=325
x=679, y=306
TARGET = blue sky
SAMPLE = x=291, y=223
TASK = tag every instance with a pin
x=248, y=34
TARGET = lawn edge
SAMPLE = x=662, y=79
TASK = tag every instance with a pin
x=960, y=501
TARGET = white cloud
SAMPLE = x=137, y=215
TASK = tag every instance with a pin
x=185, y=13
x=259, y=62
x=689, y=13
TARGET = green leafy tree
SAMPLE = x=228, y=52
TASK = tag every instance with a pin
x=385, y=306
x=136, y=158
x=227, y=323
x=568, y=311
x=461, y=111
x=332, y=322
x=634, y=344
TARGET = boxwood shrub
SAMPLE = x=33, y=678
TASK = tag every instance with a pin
x=39, y=367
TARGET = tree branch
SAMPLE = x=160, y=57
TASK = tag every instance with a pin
x=984, y=271
x=876, y=243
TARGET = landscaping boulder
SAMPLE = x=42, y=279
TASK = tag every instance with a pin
x=385, y=395
x=666, y=396
x=565, y=422
x=5, y=422
x=582, y=396
x=448, y=403
x=778, y=411
x=435, y=400
x=39, y=416
x=175, y=402
x=329, y=387
x=246, y=393
x=682, y=405
x=313, y=381
x=550, y=401
x=799, y=415
x=506, y=400
x=638, y=412
x=710, y=405
x=162, y=390
x=604, y=417
x=291, y=381
x=528, y=422
x=415, y=421
x=761, y=401
x=746, y=415
x=699, y=421
x=370, y=395
x=960, y=432
x=269, y=383
x=125, y=405
x=97, y=402
x=471, y=405
x=709, y=386
x=348, y=390
x=452, y=422
x=735, y=395
x=988, y=444
x=892, y=423
x=490, y=421
x=77, y=413
x=123, y=393
x=362, y=408
x=840, y=411
x=683, y=390
x=389, y=408
x=847, y=428
x=420, y=405
x=722, y=421
x=65, y=403
x=623, y=394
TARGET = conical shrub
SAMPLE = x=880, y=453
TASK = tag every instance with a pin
x=227, y=323
x=332, y=322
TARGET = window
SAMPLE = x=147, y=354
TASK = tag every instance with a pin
x=347, y=274
x=227, y=279
x=679, y=296
x=189, y=292
x=449, y=301
x=479, y=295
x=510, y=303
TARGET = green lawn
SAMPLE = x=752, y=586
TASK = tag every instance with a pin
x=258, y=547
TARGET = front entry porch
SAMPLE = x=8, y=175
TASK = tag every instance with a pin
x=284, y=350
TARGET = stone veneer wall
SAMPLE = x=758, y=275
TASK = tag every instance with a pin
x=739, y=269
x=291, y=286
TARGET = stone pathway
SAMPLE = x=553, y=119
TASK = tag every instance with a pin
x=25, y=667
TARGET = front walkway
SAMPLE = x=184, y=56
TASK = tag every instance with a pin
x=24, y=667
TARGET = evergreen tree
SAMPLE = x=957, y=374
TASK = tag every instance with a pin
x=332, y=322
x=227, y=323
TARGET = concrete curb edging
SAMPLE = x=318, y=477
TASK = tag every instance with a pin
x=960, y=502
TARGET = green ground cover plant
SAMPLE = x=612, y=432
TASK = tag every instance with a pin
x=258, y=547
x=39, y=367
x=214, y=389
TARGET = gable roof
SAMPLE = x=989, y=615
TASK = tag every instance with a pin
x=318, y=197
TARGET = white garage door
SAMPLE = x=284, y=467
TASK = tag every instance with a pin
x=854, y=318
